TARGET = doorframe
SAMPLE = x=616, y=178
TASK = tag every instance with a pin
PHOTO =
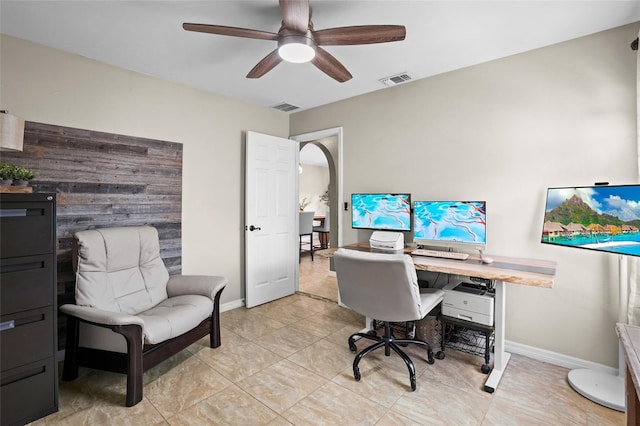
x=316, y=137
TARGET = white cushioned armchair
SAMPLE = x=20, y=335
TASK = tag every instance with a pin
x=130, y=314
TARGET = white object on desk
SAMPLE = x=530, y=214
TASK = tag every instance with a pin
x=384, y=240
x=486, y=260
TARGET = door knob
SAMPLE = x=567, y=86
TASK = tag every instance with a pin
x=254, y=228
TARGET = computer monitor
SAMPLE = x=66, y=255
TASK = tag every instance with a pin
x=381, y=212
x=450, y=224
x=603, y=218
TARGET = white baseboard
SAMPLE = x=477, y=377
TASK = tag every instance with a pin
x=555, y=358
x=232, y=305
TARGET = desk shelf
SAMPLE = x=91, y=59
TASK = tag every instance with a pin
x=468, y=337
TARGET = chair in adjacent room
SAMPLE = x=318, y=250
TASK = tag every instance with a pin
x=129, y=314
x=305, y=228
x=323, y=231
x=384, y=287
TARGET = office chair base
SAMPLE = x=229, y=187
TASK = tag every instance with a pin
x=388, y=341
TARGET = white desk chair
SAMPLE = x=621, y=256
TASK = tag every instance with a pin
x=385, y=287
x=305, y=228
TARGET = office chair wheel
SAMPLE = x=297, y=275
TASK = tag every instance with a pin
x=440, y=354
x=485, y=368
x=430, y=358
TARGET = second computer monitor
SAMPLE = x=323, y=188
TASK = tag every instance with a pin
x=450, y=224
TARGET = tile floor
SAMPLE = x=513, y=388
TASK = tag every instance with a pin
x=287, y=363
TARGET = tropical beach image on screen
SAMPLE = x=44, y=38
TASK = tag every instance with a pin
x=381, y=211
x=605, y=218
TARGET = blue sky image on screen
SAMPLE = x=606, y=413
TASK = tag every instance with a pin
x=605, y=218
x=381, y=211
x=455, y=221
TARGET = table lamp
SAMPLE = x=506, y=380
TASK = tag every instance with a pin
x=11, y=132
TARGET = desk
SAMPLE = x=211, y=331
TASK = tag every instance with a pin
x=538, y=273
x=629, y=336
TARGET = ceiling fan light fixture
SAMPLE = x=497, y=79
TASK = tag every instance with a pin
x=296, y=49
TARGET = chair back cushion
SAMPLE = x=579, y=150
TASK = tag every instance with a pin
x=120, y=269
x=379, y=285
x=306, y=223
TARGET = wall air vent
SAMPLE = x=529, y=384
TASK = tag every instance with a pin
x=283, y=106
x=396, y=79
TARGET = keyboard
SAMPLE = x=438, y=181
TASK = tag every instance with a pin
x=442, y=254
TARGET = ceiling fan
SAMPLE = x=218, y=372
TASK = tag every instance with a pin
x=299, y=42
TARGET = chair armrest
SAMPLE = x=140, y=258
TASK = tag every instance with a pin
x=99, y=316
x=203, y=285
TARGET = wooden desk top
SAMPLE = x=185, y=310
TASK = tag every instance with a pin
x=630, y=338
x=532, y=272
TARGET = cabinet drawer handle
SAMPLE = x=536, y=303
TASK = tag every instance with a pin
x=7, y=380
x=7, y=325
x=22, y=267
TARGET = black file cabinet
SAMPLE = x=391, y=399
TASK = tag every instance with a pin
x=28, y=331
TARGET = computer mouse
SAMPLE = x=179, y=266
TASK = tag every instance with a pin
x=486, y=260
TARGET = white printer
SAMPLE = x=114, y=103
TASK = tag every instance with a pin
x=385, y=240
x=468, y=302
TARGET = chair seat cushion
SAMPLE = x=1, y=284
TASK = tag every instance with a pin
x=429, y=299
x=174, y=317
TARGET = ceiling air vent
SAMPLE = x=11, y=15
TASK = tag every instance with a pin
x=396, y=79
x=283, y=106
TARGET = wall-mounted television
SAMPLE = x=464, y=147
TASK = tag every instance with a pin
x=386, y=212
x=604, y=218
x=450, y=224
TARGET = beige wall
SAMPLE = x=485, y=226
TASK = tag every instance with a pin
x=503, y=132
x=49, y=86
x=313, y=182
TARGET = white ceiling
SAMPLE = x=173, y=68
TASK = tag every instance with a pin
x=147, y=37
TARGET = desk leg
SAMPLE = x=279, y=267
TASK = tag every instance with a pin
x=501, y=358
x=367, y=325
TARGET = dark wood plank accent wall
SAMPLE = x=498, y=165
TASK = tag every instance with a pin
x=104, y=180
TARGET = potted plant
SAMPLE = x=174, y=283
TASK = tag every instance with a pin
x=304, y=203
x=6, y=174
x=22, y=176
x=325, y=197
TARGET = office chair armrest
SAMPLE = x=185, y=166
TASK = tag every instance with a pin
x=99, y=316
x=203, y=285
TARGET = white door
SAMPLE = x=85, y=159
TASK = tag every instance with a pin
x=271, y=218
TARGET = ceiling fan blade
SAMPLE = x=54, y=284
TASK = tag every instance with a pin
x=362, y=34
x=295, y=15
x=230, y=31
x=265, y=65
x=330, y=66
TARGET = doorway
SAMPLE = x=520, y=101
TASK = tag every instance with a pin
x=321, y=157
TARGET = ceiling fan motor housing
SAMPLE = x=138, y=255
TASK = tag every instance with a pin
x=296, y=47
